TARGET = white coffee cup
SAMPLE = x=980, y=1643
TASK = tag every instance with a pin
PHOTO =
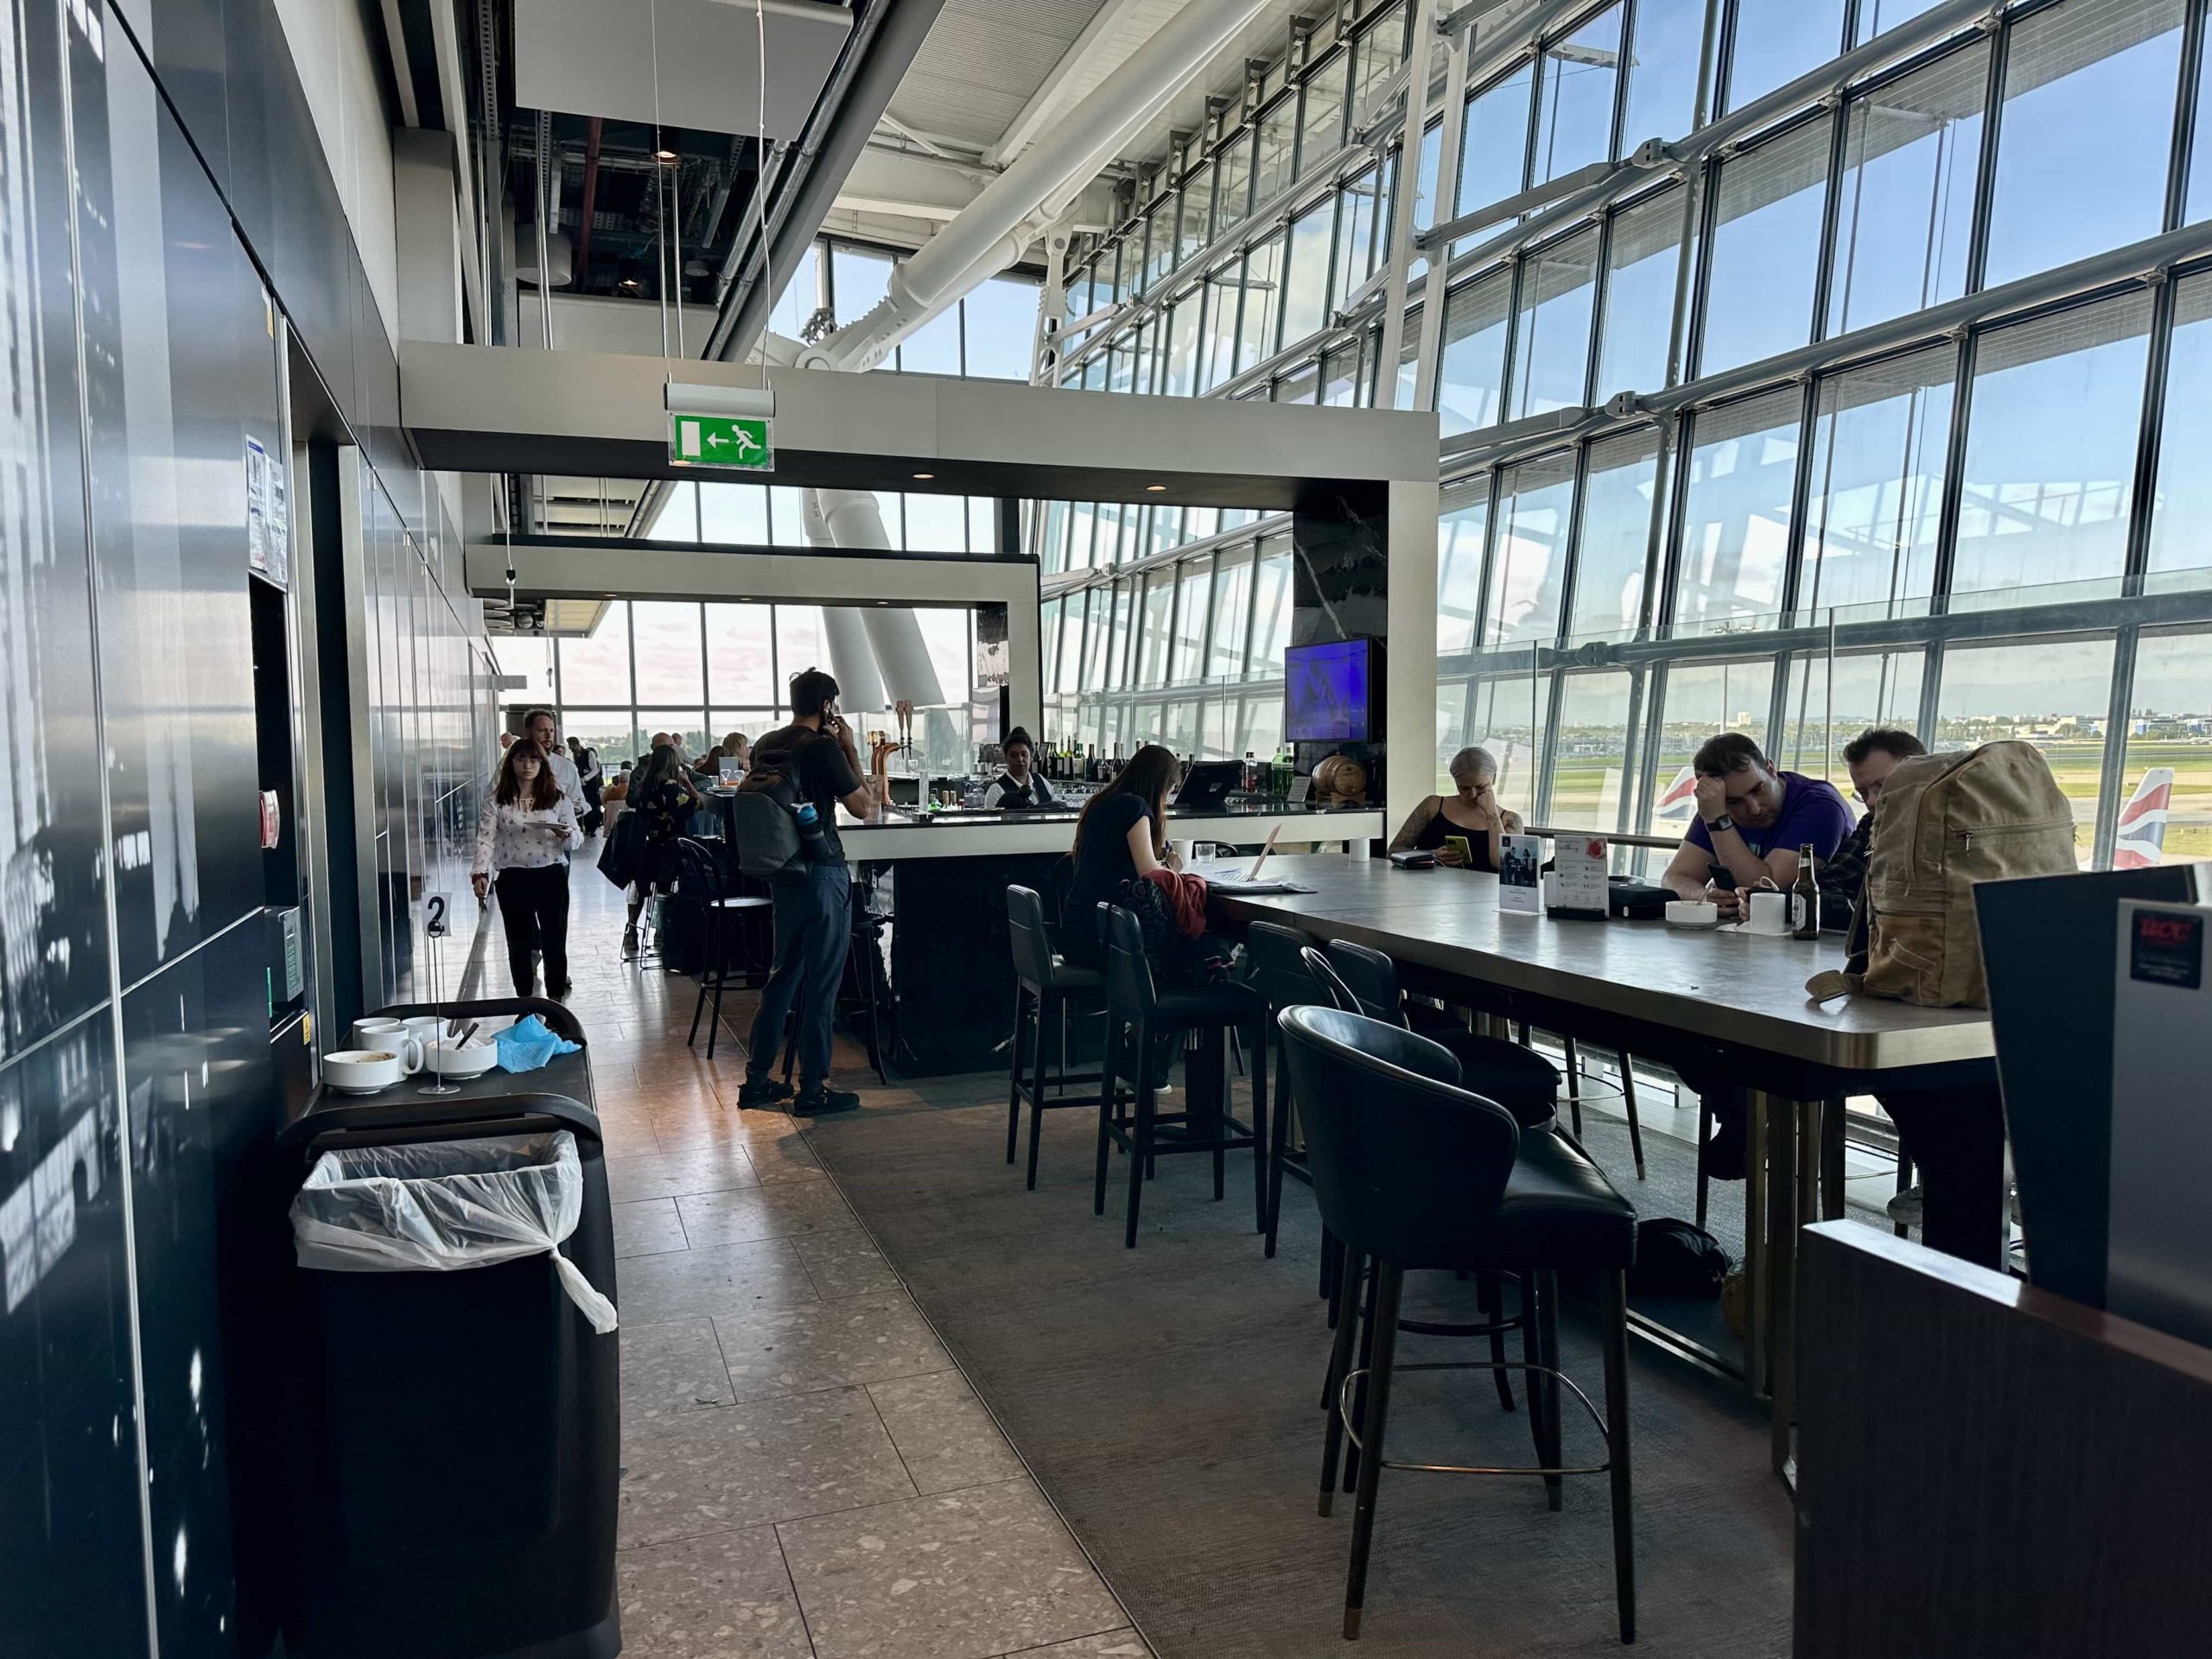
x=399, y=1035
x=360, y=1071
x=1769, y=913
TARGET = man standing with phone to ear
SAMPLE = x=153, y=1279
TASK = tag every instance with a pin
x=812, y=906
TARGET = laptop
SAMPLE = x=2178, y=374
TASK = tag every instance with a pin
x=1208, y=784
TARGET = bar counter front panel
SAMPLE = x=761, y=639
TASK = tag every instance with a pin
x=943, y=879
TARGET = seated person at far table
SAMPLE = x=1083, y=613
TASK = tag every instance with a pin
x=1471, y=812
x=1751, y=821
x=1872, y=756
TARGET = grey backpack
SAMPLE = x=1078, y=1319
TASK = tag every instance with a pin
x=764, y=813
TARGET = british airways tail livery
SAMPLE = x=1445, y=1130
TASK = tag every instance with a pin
x=2142, y=843
x=1680, y=798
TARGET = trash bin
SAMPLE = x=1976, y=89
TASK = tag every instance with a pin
x=455, y=1432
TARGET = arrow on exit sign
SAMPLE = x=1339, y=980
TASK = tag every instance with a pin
x=732, y=440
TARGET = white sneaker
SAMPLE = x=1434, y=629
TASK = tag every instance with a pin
x=1904, y=1209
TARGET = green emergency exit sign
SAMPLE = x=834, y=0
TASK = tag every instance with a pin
x=736, y=441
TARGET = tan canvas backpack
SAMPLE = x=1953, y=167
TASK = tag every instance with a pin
x=1944, y=822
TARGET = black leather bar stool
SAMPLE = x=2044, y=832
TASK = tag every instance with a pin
x=1412, y=1172
x=1517, y=1078
x=1045, y=983
x=699, y=879
x=1278, y=972
x=860, y=988
x=1138, y=1013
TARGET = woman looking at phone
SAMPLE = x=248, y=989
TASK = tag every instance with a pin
x=525, y=833
x=1471, y=814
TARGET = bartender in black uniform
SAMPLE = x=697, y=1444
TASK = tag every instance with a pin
x=1018, y=788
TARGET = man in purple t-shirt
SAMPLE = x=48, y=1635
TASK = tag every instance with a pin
x=1752, y=821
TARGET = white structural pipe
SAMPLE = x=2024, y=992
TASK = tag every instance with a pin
x=901, y=655
x=852, y=658
x=1014, y=208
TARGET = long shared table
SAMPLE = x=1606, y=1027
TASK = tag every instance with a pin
x=1722, y=999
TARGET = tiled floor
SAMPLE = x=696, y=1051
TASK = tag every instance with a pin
x=806, y=1471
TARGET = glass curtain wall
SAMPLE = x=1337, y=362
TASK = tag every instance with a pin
x=1849, y=503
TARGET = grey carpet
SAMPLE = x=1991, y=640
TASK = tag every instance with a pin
x=1167, y=1398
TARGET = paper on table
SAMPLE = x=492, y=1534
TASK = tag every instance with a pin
x=1517, y=887
x=1581, y=864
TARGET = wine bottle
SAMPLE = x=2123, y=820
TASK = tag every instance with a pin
x=1805, y=897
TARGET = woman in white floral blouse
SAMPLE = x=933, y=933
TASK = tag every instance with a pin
x=524, y=836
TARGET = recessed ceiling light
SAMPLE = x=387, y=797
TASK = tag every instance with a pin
x=1155, y=489
x=924, y=474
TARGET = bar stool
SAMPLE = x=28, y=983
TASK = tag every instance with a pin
x=700, y=879
x=860, y=989
x=1413, y=1171
x=1137, y=1013
x=1044, y=983
x=1517, y=1078
x=1277, y=971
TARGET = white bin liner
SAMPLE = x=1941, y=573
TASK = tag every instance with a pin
x=448, y=1204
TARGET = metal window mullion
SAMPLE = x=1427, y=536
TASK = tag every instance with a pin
x=1428, y=365
x=1571, y=550
x=1400, y=243
x=1631, y=750
x=1664, y=578
x=1985, y=184
x=2113, y=768
x=1489, y=552
x=1801, y=494
x=2187, y=112
x=1831, y=211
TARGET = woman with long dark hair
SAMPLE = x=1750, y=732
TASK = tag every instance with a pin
x=1122, y=836
x=524, y=835
x=663, y=795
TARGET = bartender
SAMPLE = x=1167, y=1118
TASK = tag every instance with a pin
x=1018, y=788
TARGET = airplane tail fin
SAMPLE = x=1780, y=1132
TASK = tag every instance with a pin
x=2142, y=830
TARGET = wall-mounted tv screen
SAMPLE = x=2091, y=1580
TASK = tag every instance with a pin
x=1329, y=692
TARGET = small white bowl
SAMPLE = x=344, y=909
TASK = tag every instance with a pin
x=471, y=1061
x=364, y=1071
x=1693, y=913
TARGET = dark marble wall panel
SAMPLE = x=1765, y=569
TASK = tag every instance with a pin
x=52, y=919
x=170, y=299
x=72, y=1568
x=1339, y=589
x=203, y=1112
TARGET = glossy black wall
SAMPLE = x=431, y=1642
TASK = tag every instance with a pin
x=143, y=311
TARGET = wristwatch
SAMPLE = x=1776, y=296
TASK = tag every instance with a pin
x=1716, y=825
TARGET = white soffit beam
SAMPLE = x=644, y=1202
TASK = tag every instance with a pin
x=1068, y=80
x=588, y=57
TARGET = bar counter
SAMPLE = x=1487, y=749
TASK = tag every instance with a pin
x=941, y=878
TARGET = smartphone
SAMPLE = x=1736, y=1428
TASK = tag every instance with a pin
x=1721, y=877
x=1459, y=844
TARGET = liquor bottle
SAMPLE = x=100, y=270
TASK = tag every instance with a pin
x=1251, y=780
x=1805, y=898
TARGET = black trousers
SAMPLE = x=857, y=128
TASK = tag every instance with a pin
x=534, y=905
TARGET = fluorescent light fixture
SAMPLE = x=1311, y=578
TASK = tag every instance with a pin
x=753, y=403
x=1155, y=489
x=924, y=474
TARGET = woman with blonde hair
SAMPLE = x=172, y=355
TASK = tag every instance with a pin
x=1473, y=813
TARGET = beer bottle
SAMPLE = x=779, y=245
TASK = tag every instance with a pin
x=1805, y=897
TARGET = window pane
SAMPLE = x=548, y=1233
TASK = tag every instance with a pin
x=1701, y=699
x=1321, y=126
x=529, y=659
x=857, y=281
x=1535, y=503
x=937, y=524
x=1158, y=608
x=1735, y=514
x=678, y=517
x=1232, y=198
x=1356, y=242
x=1664, y=53
x=1574, y=112
x=1048, y=640
x=738, y=667
x=1263, y=295
x=597, y=670
x=1278, y=143
x=2051, y=449
x=1493, y=147
x=1196, y=228
x=1070, y=653
x=2166, y=818
x=1002, y=328
x=1306, y=296
x=734, y=513
x=1080, y=529
x=1551, y=352
x=2198, y=203
x=795, y=303
x=1301, y=384
x=1340, y=378
x=1777, y=40
x=1766, y=239
x=1459, y=535
x=1271, y=606
x=786, y=516
x=608, y=730
x=933, y=348
x=1232, y=613
x=1872, y=688
x=1191, y=620
x=2181, y=517
x=1182, y=345
x=1875, y=17
x=1590, y=752
x=801, y=644
x=689, y=724
x=2058, y=695
x=1379, y=48
x=1910, y=155
x=1879, y=439
x=2083, y=142
x=1642, y=264
x=1623, y=475
x=1471, y=385
x=1218, y=337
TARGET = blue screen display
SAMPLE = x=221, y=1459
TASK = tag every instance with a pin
x=1326, y=692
